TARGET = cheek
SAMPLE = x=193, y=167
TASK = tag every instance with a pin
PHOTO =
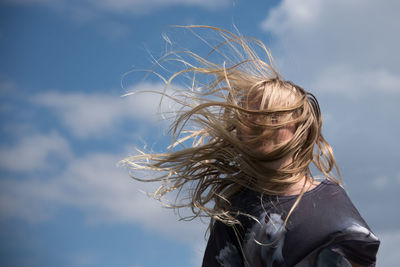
x=266, y=145
x=244, y=134
x=285, y=133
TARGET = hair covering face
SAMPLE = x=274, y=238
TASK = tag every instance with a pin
x=240, y=126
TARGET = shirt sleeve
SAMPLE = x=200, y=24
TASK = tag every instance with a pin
x=222, y=248
x=355, y=243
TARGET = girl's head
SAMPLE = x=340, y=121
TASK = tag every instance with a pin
x=249, y=128
x=271, y=117
x=276, y=127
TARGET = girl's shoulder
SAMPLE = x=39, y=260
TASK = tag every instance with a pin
x=325, y=219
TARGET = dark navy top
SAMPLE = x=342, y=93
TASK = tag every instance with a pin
x=325, y=229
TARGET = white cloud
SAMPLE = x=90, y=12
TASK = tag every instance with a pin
x=97, y=115
x=97, y=12
x=135, y=6
x=351, y=82
x=31, y=200
x=104, y=192
x=107, y=193
x=122, y=6
x=92, y=183
x=338, y=44
x=33, y=152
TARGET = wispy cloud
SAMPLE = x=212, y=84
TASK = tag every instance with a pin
x=135, y=6
x=345, y=43
x=33, y=189
x=105, y=15
x=97, y=115
x=91, y=182
x=95, y=185
x=351, y=82
x=34, y=152
x=122, y=6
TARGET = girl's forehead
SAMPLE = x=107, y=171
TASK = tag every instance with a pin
x=271, y=96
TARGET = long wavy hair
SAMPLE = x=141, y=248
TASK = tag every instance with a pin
x=225, y=138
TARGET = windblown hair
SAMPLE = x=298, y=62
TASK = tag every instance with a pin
x=231, y=112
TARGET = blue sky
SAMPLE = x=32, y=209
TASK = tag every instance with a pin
x=64, y=126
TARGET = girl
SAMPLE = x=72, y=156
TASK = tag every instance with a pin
x=254, y=137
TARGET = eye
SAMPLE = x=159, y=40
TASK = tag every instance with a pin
x=274, y=119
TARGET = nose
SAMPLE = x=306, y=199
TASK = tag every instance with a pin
x=284, y=133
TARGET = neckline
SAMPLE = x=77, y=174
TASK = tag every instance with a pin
x=315, y=189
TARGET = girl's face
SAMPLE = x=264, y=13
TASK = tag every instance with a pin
x=282, y=134
x=269, y=143
x=273, y=137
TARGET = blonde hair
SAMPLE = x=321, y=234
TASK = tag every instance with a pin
x=231, y=108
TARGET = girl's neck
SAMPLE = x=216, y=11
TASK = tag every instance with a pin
x=296, y=188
